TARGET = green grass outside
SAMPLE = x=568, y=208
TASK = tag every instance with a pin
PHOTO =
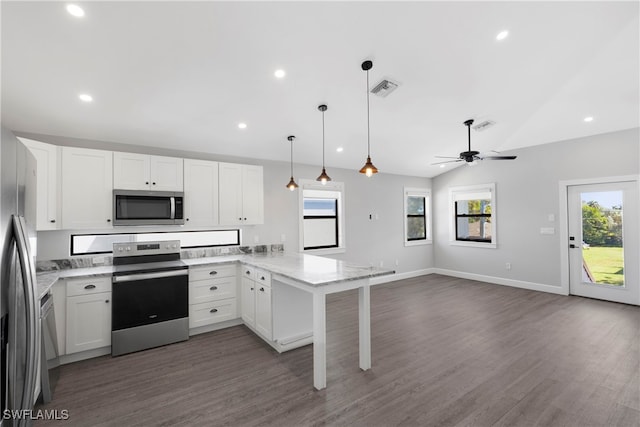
x=606, y=264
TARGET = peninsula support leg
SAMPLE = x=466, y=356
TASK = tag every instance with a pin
x=364, y=311
x=319, y=341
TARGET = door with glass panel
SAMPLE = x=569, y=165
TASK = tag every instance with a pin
x=603, y=241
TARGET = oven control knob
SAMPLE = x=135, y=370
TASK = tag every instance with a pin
x=128, y=248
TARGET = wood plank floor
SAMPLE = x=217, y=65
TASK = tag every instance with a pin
x=446, y=352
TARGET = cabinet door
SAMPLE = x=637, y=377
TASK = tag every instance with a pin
x=248, y=302
x=47, y=191
x=200, y=192
x=263, y=311
x=131, y=171
x=252, y=195
x=230, y=193
x=88, y=322
x=87, y=188
x=166, y=173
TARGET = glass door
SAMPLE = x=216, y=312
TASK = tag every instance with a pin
x=603, y=241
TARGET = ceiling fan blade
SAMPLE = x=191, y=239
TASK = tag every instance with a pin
x=499, y=158
x=448, y=161
x=446, y=157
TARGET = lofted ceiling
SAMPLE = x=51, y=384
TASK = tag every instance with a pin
x=182, y=75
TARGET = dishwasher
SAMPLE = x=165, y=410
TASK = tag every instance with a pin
x=49, y=359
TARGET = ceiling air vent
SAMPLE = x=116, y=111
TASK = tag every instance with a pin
x=384, y=88
x=483, y=125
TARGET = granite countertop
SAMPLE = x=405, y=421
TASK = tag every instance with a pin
x=308, y=269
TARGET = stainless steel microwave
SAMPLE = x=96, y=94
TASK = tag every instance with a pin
x=138, y=207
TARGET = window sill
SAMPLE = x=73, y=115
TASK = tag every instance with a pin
x=418, y=242
x=326, y=251
x=474, y=244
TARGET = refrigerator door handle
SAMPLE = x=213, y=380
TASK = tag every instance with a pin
x=28, y=280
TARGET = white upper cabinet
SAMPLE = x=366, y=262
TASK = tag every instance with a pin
x=133, y=171
x=87, y=188
x=241, y=194
x=47, y=187
x=200, y=192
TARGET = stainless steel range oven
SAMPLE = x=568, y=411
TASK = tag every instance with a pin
x=150, y=296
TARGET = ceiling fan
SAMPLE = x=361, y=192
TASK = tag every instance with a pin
x=471, y=156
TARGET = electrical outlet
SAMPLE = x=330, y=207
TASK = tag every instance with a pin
x=256, y=239
x=381, y=263
x=508, y=266
x=283, y=238
x=397, y=263
x=99, y=260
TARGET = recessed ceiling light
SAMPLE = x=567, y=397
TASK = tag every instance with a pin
x=502, y=35
x=339, y=149
x=280, y=74
x=442, y=165
x=75, y=10
x=588, y=119
x=242, y=125
x=85, y=97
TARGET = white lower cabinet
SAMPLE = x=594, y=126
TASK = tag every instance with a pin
x=256, y=301
x=88, y=317
x=212, y=295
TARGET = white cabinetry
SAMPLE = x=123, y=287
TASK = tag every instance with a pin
x=212, y=294
x=256, y=301
x=88, y=314
x=201, y=192
x=133, y=171
x=47, y=189
x=87, y=187
x=241, y=194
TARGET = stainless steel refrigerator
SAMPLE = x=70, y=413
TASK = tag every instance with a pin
x=19, y=299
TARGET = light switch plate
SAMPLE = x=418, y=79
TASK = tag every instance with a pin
x=547, y=230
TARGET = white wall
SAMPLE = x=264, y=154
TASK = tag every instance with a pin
x=367, y=242
x=527, y=193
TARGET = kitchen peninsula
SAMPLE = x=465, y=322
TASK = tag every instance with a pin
x=296, y=286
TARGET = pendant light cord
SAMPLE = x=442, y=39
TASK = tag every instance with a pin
x=368, y=126
x=323, y=140
x=291, y=140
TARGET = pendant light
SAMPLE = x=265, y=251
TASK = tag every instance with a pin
x=292, y=184
x=368, y=168
x=323, y=178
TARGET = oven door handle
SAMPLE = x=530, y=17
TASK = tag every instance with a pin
x=146, y=276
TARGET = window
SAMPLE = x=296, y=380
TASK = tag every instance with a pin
x=322, y=217
x=417, y=212
x=473, y=215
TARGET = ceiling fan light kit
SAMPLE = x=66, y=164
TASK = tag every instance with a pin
x=368, y=169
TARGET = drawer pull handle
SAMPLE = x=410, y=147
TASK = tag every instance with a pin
x=90, y=287
x=213, y=310
x=213, y=288
x=262, y=289
x=251, y=288
x=262, y=278
x=213, y=273
x=247, y=272
x=106, y=301
x=153, y=316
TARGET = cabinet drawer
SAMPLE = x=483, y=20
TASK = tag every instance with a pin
x=211, y=312
x=211, y=272
x=262, y=278
x=90, y=285
x=248, y=272
x=212, y=290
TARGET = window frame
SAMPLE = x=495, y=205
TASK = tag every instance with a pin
x=463, y=193
x=426, y=194
x=334, y=189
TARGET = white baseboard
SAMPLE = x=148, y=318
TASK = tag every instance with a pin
x=502, y=281
x=399, y=276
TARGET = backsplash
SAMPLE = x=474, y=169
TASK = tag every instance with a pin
x=102, y=260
